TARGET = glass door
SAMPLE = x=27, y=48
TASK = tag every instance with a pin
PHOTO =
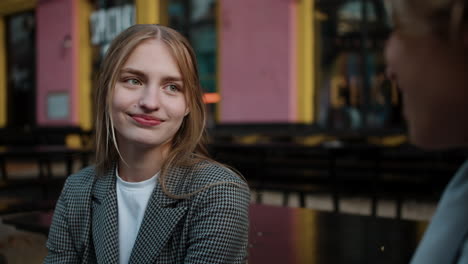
x=353, y=92
x=21, y=67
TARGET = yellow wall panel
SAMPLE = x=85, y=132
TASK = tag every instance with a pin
x=217, y=107
x=12, y=6
x=152, y=12
x=3, y=75
x=305, y=60
x=84, y=66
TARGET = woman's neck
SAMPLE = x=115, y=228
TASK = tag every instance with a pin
x=140, y=164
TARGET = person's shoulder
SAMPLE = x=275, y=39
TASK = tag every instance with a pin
x=211, y=171
x=82, y=179
x=207, y=172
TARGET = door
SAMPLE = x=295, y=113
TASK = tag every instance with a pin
x=21, y=70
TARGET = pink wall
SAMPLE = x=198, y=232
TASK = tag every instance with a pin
x=256, y=61
x=56, y=60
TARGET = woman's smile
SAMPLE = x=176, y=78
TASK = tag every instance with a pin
x=147, y=120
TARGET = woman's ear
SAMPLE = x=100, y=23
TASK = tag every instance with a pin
x=187, y=111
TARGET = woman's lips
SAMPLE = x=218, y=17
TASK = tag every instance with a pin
x=147, y=120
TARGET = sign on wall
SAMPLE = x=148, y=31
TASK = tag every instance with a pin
x=106, y=24
x=57, y=106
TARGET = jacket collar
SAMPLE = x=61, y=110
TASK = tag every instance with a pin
x=160, y=218
x=176, y=183
x=104, y=218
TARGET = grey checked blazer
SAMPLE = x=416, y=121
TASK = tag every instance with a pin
x=209, y=227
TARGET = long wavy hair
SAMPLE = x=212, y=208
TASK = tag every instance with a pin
x=188, y=144
x=443, y=18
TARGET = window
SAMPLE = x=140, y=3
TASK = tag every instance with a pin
x=353, y=92
x=196, y=20
x=21, y=65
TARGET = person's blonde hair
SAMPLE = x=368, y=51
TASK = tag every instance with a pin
x=444, y=18
x=188, y=144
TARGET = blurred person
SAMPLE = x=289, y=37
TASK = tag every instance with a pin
x=427, y=55
x=153, y=196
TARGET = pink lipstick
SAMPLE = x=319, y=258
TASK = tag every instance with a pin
x=146, y=120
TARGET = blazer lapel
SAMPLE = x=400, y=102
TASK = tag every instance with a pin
x=161, y=217
x=105, y=219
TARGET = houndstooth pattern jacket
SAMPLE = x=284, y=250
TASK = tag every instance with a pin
x=209, y=227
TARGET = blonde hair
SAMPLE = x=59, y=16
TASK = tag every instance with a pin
x=444, y=18
x=188, y=144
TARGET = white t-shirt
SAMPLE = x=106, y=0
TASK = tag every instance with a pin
x=132, y=199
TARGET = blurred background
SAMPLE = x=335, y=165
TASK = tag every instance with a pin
x=298, y=102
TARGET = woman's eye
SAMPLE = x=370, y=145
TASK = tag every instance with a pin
x=172, y=88
x=133, y=81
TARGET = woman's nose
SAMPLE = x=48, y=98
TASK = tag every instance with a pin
x=149, y=99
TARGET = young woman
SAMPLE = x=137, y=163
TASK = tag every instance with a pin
x=427, y=56
x=153, y=196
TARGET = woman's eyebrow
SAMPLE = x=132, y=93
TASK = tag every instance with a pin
x=133, y=71
x=172, y=79
x=142, y=75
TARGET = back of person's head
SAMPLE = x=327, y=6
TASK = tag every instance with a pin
x=191, y=135
x=444, y=18
x=427, y=57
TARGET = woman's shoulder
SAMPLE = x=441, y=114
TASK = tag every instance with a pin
x=81, y=180
x=207, y=172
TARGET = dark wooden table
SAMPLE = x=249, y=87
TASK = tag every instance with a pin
x=281, y=235
x=297, y=235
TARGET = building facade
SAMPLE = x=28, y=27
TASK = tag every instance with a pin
x=262, y=61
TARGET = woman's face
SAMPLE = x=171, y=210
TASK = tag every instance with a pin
x=431, y=74
x=148, y=104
